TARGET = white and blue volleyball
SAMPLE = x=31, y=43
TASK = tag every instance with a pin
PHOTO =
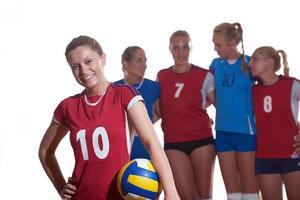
x=138, y=180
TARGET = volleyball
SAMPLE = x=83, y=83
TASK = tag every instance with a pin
x=138, y=180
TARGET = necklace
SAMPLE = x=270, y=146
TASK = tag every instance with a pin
x=95, y=103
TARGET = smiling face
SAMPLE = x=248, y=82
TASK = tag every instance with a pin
x=180, y=49
x=87, y=67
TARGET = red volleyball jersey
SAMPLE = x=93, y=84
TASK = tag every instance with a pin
x=183, y=118
x=275, y=124
x=100, y=139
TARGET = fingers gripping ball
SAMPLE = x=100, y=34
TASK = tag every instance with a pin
x=138, y=180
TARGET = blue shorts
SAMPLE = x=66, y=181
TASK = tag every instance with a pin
x=276, y=166
x=189, y=146
x=138, y=150
x=231, y=141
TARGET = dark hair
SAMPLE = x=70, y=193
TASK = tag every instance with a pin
x=83, y=41
x=128, y=54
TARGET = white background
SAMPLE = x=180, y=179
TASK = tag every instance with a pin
x=35, y=77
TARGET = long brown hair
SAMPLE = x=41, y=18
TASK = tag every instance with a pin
x=83, y=41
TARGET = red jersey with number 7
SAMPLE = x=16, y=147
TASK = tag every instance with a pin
x=100, y=138
x=183, y=114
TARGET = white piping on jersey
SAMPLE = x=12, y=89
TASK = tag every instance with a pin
x=207, y=87
x=295, y=100
x=134, y=100
x=250, y=127
x=130, y=104
x=129, y=141
x=137, y=87
x=53, y=118
x=95, y=103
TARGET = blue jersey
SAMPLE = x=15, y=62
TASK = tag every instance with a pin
x=234, y=111
x=150, y=92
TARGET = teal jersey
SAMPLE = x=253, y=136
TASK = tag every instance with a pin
x=233, y=101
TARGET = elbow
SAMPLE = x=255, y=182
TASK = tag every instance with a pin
x=44, y=153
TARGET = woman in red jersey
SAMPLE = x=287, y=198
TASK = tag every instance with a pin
x=99, y=120
x=186, y=91
x=276, y=106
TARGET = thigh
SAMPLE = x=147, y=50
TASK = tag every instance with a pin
x=246, y=142
x=183, y=174
x=270, y=186
x=246, y=165
x=229, y=170
x=292, y=185
x=203, y=160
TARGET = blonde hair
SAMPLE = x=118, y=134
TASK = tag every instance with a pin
x=232, y=32
x=275, y=55
x=180, y=33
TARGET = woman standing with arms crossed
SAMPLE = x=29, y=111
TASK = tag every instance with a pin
x=134, y=67
x=276, y=107
x=235, y=131
x=186, y=90
x=98, y=125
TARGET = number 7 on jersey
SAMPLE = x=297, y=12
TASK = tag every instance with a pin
x=179, y=87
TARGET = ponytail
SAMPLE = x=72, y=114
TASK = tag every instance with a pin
x=240, y=39
x=284, y=62
x=277, y=56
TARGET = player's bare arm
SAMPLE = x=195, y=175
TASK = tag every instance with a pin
x=49, y=143
x=144, y=127
x=156, y=112
x=210, y=98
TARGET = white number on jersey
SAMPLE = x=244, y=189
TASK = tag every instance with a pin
x=98, y=132
x=179, y=89
x=268, y=104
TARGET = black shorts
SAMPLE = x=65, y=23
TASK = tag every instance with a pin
x=189, y=146
x=276, y=166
